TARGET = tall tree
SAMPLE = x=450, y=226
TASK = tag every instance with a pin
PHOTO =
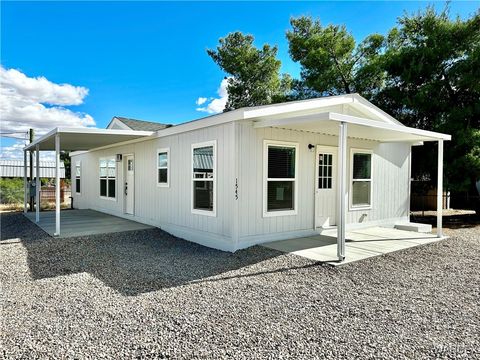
x=332, y=63
x=254, y=74
x=433, y=82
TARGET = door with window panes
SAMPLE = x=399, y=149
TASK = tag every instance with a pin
x=325, y=186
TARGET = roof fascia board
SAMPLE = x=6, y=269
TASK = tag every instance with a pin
x=214, y=120
x=403, y=129
x=428, y=135
x=40, y=139
x=297, y=106
x=357, y=98
x=86, y=131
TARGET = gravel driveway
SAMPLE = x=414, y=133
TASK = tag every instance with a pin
x=147, y=294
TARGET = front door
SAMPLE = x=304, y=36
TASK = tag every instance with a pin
x=325, y=186
x=129, y=184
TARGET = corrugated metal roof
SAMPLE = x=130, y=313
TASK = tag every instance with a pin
x=142, y=125
x=14, y=168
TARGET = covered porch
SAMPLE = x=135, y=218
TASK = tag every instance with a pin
x=359, y=244
x=71, y=139
x=85, y=222
x=348, y=129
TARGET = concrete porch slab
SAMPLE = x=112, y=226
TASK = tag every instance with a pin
x=360, y=244
x=84, y=222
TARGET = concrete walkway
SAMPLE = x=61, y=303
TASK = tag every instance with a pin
x=360, y=244
x=84, y=222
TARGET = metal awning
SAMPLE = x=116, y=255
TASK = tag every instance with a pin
x=70, y=139
x=347, y=126
x=79, y=139
x=361, y=128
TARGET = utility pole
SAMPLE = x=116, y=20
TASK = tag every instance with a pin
x=31, y=134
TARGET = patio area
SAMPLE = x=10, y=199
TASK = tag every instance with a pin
x=360, y=244
x=84, y=222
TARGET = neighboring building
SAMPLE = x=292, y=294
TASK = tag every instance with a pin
x=14, y=169
x=251, y=175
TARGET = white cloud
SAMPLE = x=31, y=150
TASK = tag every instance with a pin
x=13, y=152
x=201, y=100
x=29, y=102
x=38, y=103
x=216, y=105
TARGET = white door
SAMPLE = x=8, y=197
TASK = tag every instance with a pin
x=129, y=186
x=325, y=186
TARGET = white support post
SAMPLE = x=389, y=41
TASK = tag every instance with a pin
x=25, y=182
x=37, y=183
x=341, y=193
x=440, y=189
x=57, y=185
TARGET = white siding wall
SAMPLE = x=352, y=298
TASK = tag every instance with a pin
x=390, y=196
x=168, y=208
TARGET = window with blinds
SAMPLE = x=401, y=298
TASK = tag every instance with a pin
x=361, y=179
x=281, y=178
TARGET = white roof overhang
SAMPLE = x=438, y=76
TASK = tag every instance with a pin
x=75, y=139
x=361, y=128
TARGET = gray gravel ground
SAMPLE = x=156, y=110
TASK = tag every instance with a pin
x=146, y=294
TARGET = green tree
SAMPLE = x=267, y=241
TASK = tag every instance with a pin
x=432, y=65
x=254, y=74
x=65, y=157
x=331, y=61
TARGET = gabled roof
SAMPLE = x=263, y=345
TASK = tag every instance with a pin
x=350, y=104
x=318, y=113
x=124, y=123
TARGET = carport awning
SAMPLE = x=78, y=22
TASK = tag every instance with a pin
x=75, y=139
x=361, y=128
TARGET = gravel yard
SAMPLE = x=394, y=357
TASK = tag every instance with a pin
x=147, y=294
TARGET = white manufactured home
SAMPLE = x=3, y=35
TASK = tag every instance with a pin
x=251, y=175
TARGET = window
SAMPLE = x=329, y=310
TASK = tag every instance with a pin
x=204, y=178
x=163, y=163
x=325, y=169
x=280, y=178
x=361, y=185
x=78, y=175
x=107, y=178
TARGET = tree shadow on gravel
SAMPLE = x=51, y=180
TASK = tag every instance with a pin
x=131, y=262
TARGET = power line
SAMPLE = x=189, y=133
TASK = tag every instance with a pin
x=14, y=137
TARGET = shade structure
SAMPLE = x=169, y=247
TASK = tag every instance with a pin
x=361, y=128
x=75, y=139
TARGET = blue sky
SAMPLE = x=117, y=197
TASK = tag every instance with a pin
x=148, y=60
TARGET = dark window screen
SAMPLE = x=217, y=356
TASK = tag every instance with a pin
x=361, y=166
x=281, y=162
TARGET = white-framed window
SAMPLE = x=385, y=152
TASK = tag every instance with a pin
x=204, y=178
x=108, y=175
x=163, y=167
x=280, y=178
x=78, y=176
x=361, y=179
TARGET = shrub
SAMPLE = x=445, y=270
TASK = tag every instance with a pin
x=11, y=191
